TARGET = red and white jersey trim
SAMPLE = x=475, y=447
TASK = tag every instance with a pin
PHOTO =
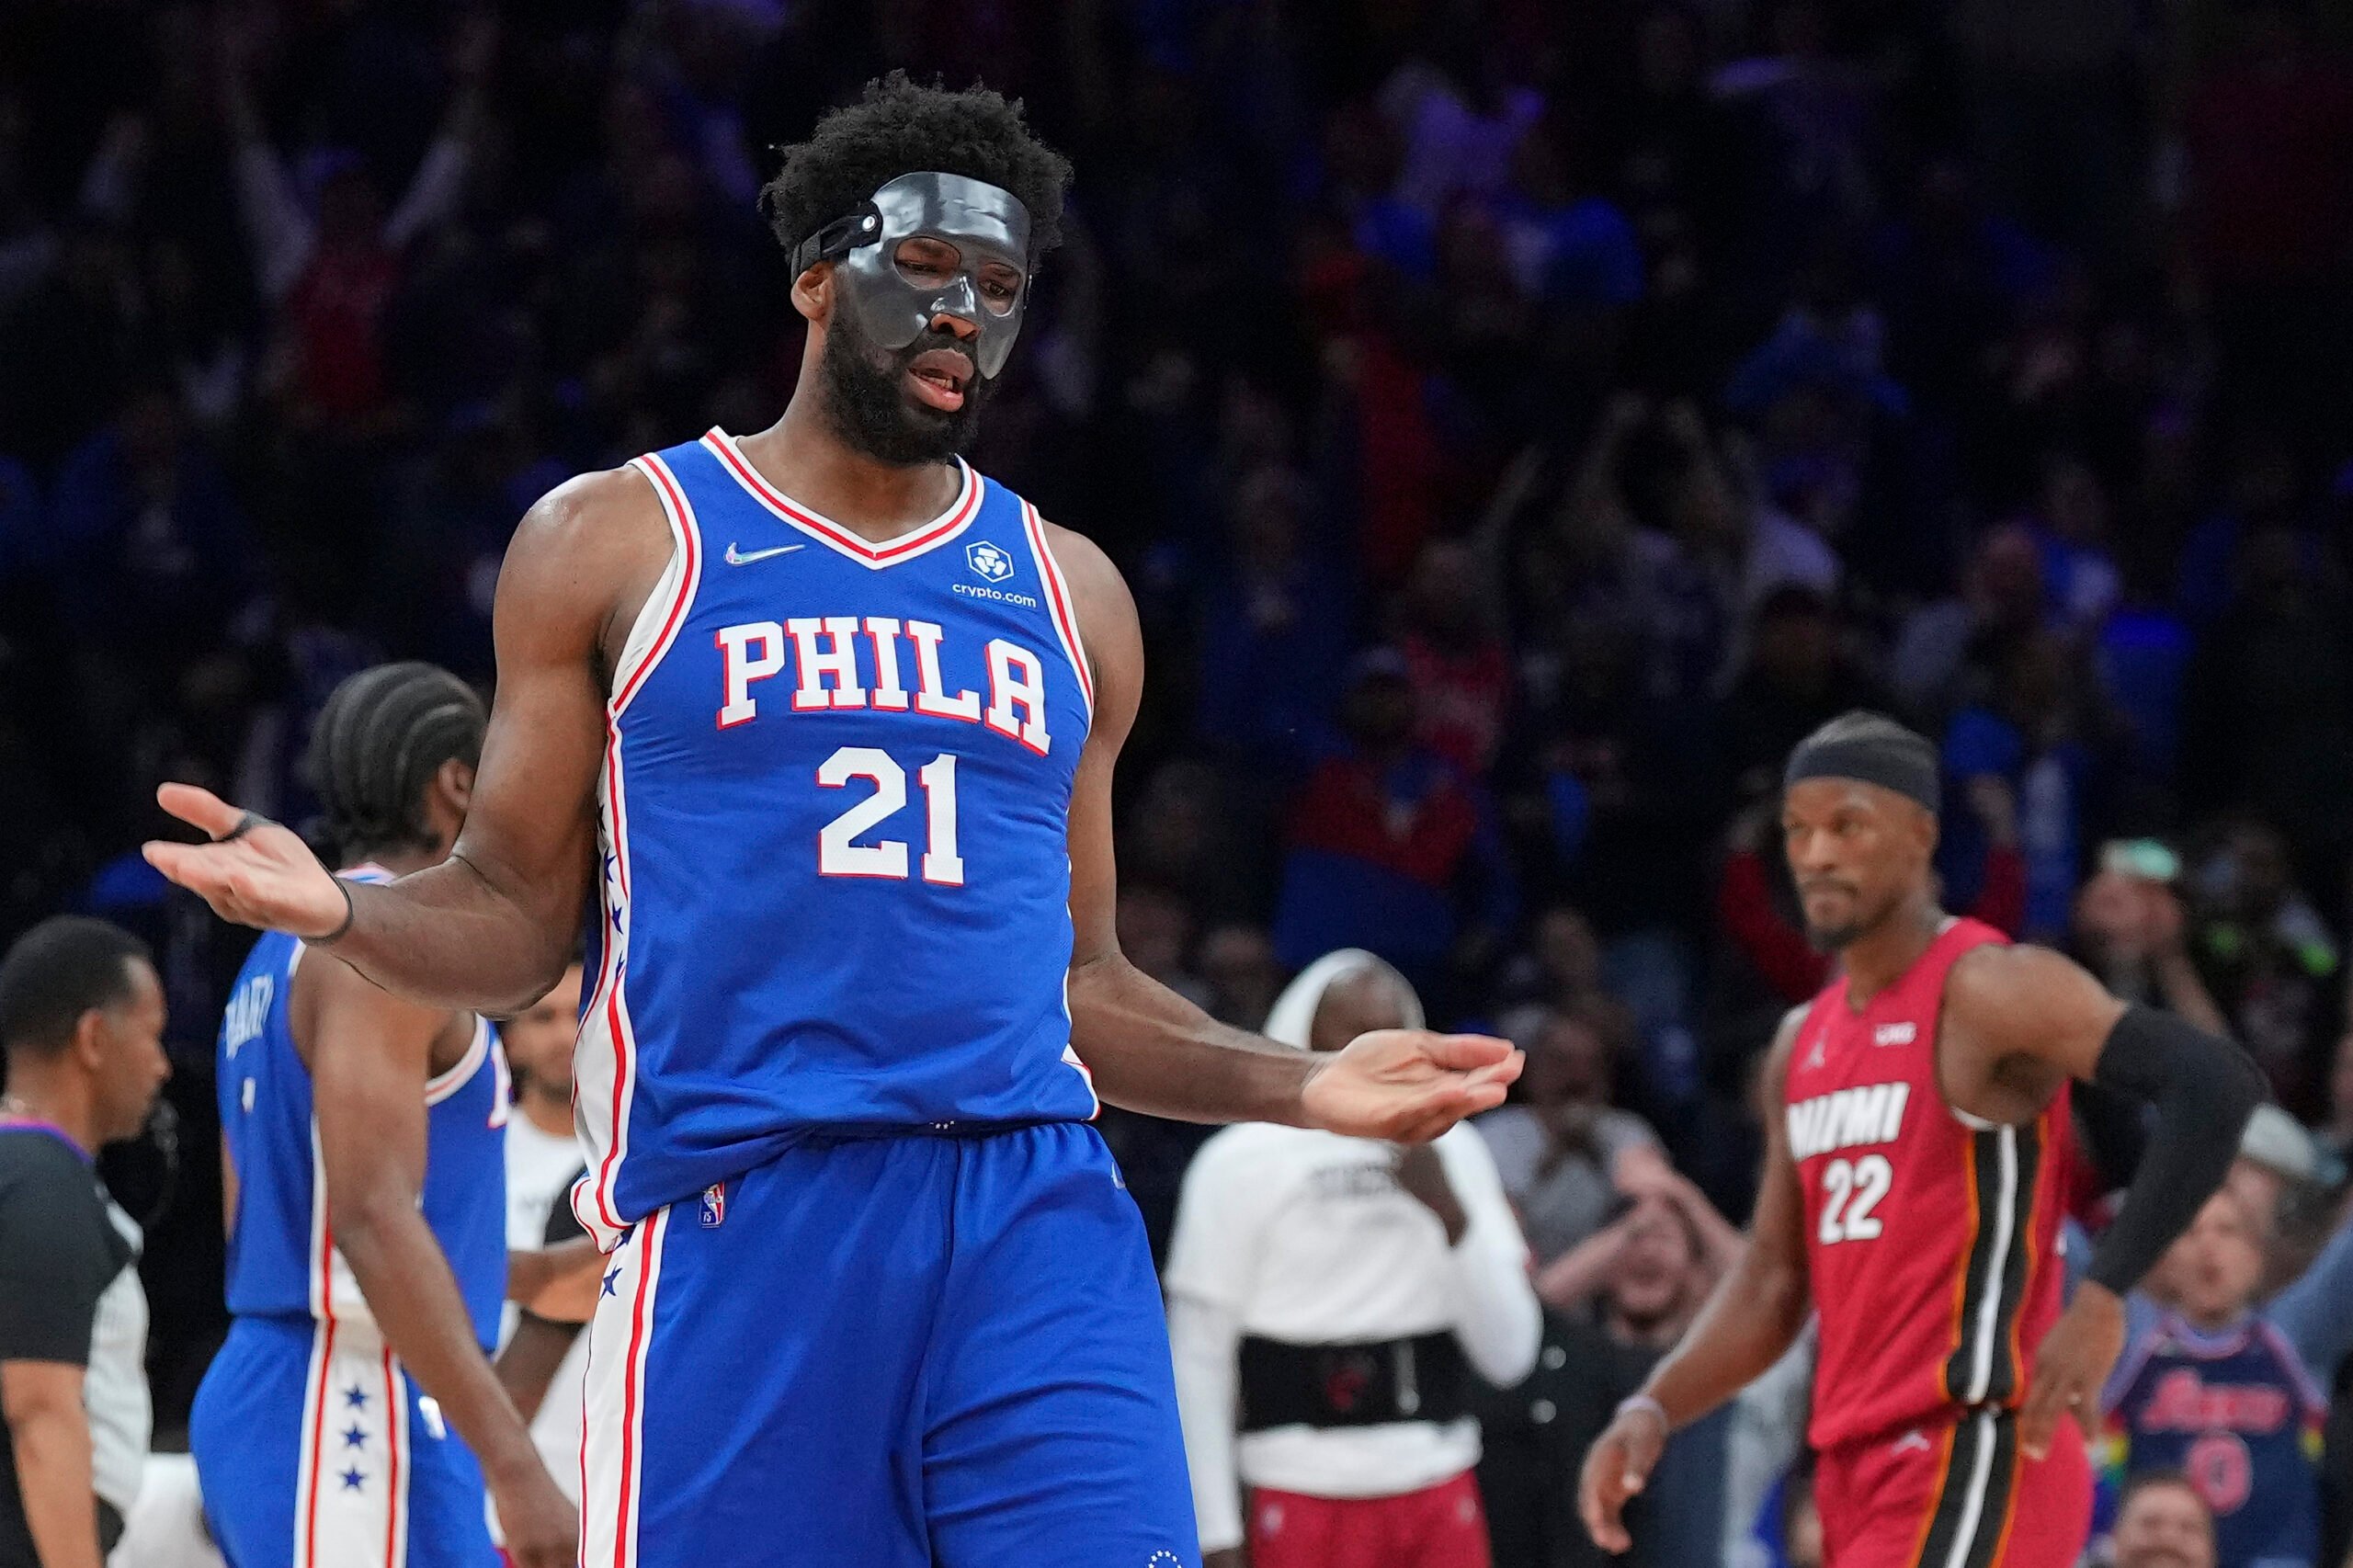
x=605, y=1059
x=612, y=1450
x=1059, y=603
x=478, y=1051
x=666, y=607
x=832, y=535
x=351, y=1496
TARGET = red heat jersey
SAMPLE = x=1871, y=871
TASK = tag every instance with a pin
x=1932, y=1240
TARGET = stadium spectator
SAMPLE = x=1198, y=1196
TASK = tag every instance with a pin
x=2267, y=710
x=1654, y=1189
x=1274, y=629
x=1156, y=933
x=1797, y=679
x=1237, y=963
x=2162, y=1523
x=1560, y=1148
x=1385, y=839
x=2130, y=930
x=332, y=262
x=2270, y=961
x=1642, y=1279
x=2029, y=736
x=2232, y=1393
x=2081, y=583
x=1945, y=648
x=145, y=544
x=1460, y=672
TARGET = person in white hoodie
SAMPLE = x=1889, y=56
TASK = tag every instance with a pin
x=1329, y=1300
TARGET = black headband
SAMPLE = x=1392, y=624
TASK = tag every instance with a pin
x=1907, y=766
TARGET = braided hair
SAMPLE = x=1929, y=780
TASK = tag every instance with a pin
x=379, y=742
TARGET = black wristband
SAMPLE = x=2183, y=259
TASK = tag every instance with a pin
x=2204, y=1090
x=349, y=911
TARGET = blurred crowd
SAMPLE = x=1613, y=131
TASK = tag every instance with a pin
x=1520, y=422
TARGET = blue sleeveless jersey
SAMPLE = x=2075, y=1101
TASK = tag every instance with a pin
x=282, y=1260
x=834, y=829
x=2239, y=1414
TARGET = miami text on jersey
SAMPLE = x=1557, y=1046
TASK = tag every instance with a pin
x=1847, y=1118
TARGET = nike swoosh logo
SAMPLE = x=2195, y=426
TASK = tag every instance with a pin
x=741, y=558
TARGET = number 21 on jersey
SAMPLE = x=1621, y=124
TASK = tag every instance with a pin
x=839, y=854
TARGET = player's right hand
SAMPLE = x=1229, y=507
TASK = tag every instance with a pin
x=266, y=876
x=1617, y=1467
x=541, y=1524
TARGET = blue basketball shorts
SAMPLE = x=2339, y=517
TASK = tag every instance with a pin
x=314, y=1449
x=889, y=1352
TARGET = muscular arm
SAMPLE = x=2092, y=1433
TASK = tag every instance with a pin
x=490, y=928
x=1148, y=1048
x=1756, y=1310
x=49, y=1435
x=368, y=1082
x=1752, y=1318
x=2016, y=1022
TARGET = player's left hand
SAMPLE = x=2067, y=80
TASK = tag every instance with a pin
x=1407, y=1085
x=2072, y=1368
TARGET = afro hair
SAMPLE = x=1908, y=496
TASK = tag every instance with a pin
x=899, y=128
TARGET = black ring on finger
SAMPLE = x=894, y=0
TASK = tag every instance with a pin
x=245, y=824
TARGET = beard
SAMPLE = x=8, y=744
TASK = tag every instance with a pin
x=1831, y=940
x=865, y=390
x=1828, y=939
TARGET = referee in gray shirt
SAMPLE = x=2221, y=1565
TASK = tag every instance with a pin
x=82, y=1022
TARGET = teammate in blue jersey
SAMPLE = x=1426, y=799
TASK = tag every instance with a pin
x=364, y=1162
x=824, y=723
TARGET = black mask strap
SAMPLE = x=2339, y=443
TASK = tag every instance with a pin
x=835, y=239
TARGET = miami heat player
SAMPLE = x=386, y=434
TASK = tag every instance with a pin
x=1916, y=1163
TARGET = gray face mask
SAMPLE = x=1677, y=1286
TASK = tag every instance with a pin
x=982, y=223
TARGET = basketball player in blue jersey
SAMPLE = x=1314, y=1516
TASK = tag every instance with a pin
x=363, y=1158
x=825, y=722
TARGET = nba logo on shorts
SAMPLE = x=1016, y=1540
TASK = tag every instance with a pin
x=713, y=1206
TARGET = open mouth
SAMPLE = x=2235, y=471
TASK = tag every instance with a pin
x=939, y=377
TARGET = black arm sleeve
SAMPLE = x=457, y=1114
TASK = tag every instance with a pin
x=2112, y=1130
x=563, y=1225
x=55, y=1257
x=2204, y=1090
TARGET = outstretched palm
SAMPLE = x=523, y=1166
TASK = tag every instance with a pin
x=266, y=877
x=1408, y=1086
